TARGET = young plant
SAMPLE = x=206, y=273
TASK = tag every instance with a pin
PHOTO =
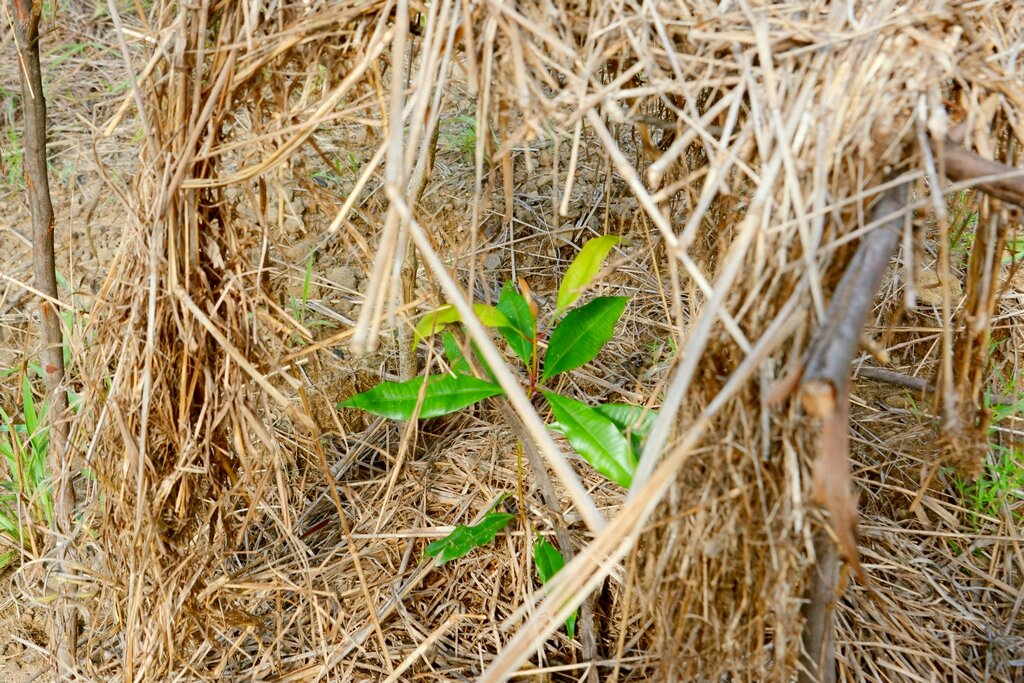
x=463, y=138
x=1002, y=480
x=26, y=490
x=607, y=436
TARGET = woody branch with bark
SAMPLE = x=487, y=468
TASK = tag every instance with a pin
x=25, y=16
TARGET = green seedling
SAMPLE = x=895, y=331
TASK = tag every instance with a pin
x=306, y=279
x=336, y=172
x=300, y=307
x=607, y=436
x=25, y=495
x=463, y=136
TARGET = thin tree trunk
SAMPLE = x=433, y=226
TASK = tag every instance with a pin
x=26, y=16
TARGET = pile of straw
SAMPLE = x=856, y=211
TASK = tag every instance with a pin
x=248, y=530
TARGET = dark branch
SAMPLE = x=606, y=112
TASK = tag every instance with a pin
x=962, y=165
x=26, y=31
x=825, y=392
x=838, y=339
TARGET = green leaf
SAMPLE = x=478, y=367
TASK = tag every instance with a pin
x=547, y=559
x=595, y=438
x=467, y=538
x=581, y=334
x=521, y=331
x=635, y=422
x=549, y=562
x=491, y=316
x=435, y=321
x=458, y=362
x=29, y=406
x=583, y=269
x=444, y=394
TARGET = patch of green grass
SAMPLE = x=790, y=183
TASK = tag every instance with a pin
x=461, y=135
x=12, y=160
x=26, y=498
x=1001, y=483
x=1015, y=247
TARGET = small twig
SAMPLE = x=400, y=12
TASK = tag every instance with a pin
x=824, y=386
x=898, y=379
x=999, y=180
x=921, y=385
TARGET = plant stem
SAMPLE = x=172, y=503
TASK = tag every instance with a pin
x=26, y=16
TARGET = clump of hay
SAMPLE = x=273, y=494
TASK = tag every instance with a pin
x=743, y=147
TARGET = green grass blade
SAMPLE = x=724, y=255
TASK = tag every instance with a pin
x=28, y=406
x=35, y=426
x=306, y=279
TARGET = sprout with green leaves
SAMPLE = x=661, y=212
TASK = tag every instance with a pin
x=609, y=436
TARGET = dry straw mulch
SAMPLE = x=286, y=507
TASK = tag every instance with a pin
x=739, y=145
